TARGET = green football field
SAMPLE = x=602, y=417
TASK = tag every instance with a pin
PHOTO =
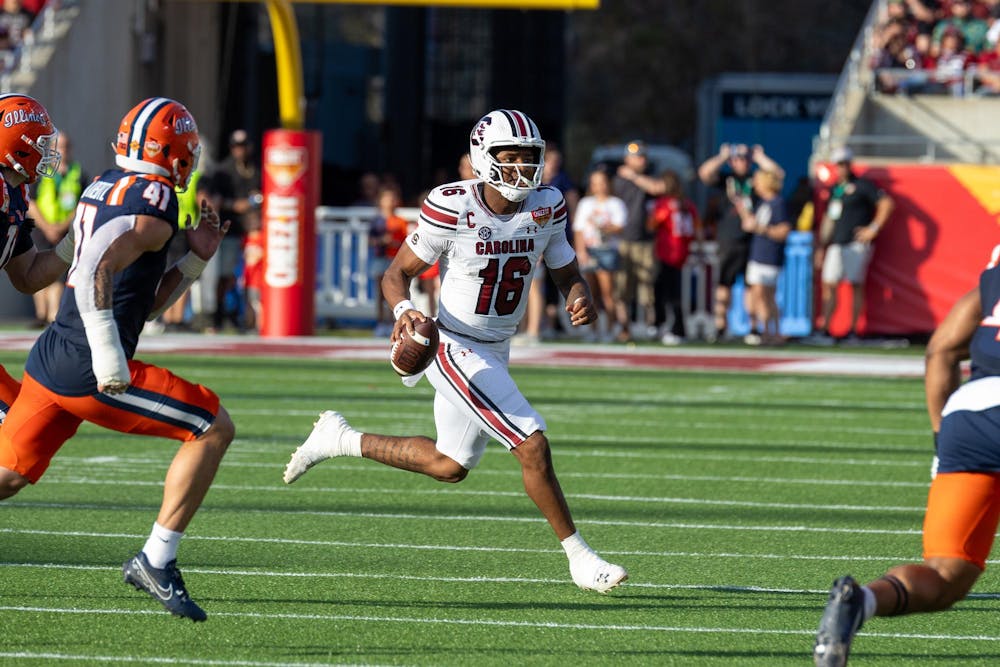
x=733, y=499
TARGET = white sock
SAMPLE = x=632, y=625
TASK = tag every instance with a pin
x=870, y=602
x=161, y=547
x=575, y=547
x=352, y=443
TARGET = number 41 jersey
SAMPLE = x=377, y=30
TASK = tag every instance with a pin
x=60, y=358
x=487, y=260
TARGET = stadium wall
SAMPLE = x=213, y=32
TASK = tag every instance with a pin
x=937, y=241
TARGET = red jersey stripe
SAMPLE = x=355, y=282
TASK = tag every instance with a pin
x=438, y=216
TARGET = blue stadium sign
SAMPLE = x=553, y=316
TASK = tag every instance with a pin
x=774, y=106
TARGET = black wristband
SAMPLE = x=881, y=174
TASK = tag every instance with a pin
x=935, y=443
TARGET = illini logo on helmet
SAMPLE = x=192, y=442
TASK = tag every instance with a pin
x=184, y=124
x=19, y=116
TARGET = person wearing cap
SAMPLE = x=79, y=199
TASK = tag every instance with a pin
x=731, y=171
x=634, y=185
x=236, y=183
x=855, y=215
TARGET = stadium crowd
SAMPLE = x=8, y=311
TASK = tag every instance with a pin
x=949, y=47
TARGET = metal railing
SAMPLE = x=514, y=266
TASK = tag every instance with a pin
x=344, y=285
x=932, y=81
x=851, y=86
x=926, y=149
x=345, y=289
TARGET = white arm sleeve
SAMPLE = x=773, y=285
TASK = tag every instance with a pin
x=190, y=266
x=107, y=356
x=91, y=254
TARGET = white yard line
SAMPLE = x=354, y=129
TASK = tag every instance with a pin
x=398, y=516
x=380, y=491
x=448, y=547
x=508, y=624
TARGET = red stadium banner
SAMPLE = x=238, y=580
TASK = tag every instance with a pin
x=291, y=193
x=937, y=241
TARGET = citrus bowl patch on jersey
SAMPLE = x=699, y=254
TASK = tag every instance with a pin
x=413, y=354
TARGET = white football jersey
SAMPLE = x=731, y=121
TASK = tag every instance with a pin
x=487, y=260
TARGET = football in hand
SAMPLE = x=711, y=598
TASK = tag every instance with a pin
x=413, y=354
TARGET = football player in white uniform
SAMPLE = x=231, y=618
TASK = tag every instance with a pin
x=488, y=233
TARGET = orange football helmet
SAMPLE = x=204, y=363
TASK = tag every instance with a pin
x=27, y=137
x=159, y=136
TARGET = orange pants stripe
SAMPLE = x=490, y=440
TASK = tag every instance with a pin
x=962, y=513
x=157, y=403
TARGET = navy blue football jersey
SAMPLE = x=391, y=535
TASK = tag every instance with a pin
x=15, y=229
x=985, y=346
x=60, y=359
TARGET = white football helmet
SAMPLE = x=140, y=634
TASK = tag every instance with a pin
x=507, y=129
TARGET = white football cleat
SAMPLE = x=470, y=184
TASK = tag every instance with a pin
x=596, y=574
x=325, y=441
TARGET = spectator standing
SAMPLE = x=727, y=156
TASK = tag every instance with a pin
x=369, y=185
x=730, y=170
x=897, y=11
x=988, y=69
x=801, y=210
x=961, y=18
x=237, y=183
x=554, y=175
x=770, y=225
x=925, y=13
x=599, y=220
x=17, y=21
x=676, y=223
x=896, y=55
x=855, y=215
x=253, y=269
x=950, y=64
x=385, y=236
x=53, y=208
x=543, y=297
x=634, y=185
